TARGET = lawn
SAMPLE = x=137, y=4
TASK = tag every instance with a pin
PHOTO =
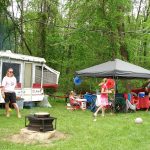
x=112, y=132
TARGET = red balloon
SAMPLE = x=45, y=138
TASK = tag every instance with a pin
x=110, y=83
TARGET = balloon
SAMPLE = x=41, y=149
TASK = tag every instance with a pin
x=138, y=120
x=77, y=81
x=110, y=83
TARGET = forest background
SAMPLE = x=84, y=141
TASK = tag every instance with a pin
x=75, y=34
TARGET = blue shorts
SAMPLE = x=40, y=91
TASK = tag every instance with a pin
x=10, y=97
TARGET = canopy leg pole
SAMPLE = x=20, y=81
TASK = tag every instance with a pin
x=116, y=91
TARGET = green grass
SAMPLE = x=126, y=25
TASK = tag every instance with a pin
x=112, y=132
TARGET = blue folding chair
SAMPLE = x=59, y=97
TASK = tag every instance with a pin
x=91, y=99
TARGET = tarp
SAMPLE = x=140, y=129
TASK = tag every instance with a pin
x=115, y=69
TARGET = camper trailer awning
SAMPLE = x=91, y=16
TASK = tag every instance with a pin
x=10, y=55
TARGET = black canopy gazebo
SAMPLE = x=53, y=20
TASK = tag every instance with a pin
x=115, y=69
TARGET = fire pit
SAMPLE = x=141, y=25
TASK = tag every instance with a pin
x=41, y=121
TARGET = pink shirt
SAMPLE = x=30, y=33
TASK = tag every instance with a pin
x=72, y=99
x=105, y=89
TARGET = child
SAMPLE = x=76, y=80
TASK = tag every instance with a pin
x=73, y=102
x=103, y=97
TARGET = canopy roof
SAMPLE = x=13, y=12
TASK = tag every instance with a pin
x=115, y=69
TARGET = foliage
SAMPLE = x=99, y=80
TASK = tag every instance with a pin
x=77, y=34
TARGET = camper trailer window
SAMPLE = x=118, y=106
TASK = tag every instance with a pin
x=38, y=74
x=16, y=68
x=49, y=77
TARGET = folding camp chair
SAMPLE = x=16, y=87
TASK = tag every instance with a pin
x=120, y=103
x=90, y=101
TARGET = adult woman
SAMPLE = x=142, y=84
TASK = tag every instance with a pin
x=8, y=87
x=103, y=97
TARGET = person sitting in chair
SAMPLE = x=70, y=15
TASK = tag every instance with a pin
x=147, y=89
x=72, y=100
x=147, y=92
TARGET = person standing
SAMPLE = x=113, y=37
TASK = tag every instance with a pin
x=103, y=97
x=8, y=88
x=147, y=89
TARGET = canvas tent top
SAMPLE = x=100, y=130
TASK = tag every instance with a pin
x=8, y=54
x=115, y=69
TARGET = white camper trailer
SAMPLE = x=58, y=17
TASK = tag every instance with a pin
x=32, y=75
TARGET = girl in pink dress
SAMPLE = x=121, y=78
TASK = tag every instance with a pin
x=103, y=97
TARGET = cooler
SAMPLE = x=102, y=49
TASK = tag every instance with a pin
x=141, y=94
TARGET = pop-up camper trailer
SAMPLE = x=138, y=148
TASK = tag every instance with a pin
x=32, y=75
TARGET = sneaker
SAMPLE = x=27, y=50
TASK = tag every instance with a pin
x=19, y=116
x=10, y=110
x=95, y=115
x=8, y=115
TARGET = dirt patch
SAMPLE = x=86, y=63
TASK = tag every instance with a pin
x=33, y=137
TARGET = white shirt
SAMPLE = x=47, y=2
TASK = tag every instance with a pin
x=9, y=83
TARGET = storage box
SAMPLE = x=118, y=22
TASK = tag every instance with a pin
x=141, y=94
x=83, y=105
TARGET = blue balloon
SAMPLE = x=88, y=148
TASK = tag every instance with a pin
x=77, y=81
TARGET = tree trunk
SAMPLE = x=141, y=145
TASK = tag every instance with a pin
x=123, y=48
x=42, y=28
x=21, y=27
x=121, y=34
